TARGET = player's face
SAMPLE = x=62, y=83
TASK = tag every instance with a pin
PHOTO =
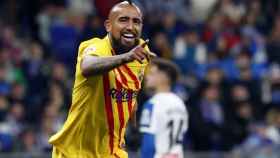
x=125, y=27
x=154, y=77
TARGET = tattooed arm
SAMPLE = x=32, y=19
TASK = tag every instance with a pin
x=93, y=65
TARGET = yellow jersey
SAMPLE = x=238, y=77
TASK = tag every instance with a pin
x=101, y=107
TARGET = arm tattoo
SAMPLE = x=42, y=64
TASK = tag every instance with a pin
x=98, y=65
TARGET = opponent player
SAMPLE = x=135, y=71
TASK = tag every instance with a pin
x=164, y=119
x=108, y=77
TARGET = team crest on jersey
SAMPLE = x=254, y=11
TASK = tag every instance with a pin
x=89, y=49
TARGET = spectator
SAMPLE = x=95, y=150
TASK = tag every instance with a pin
x=208, y=116
x=273, y=42
x=33, y=69
x=200, y=10
x=157, y=7
x=244, y=75
x=56, y=95
x=232, y=10
x=17, y=93
x=171, y=26
x=190, y=53
x=238, y=124
x=28, y=141
x=4, y=106
x=273, y=123
x=15, y=119
x=271, y=87
x=48, y=127
x=93, y=28
x=161, y=45
x=83, y=7
x=263, y=135
x=215, y=76
x=6, y=139
x=5, y=86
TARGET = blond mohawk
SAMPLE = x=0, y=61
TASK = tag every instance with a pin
x=129, y=1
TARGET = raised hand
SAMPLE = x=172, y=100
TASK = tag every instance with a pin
x=139, y=53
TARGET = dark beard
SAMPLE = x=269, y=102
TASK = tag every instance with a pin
x=120, y=48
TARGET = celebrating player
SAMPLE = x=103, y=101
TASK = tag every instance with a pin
x=107, y=80
x=164, y=118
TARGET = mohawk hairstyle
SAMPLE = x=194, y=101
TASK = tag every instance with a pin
x=129, y=1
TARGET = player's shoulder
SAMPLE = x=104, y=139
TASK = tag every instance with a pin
x=160, y=99
x=167, y=100
x=163, y=97
x=94, y=41
x=97, y=46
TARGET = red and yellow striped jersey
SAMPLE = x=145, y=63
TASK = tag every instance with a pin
x=101, y=107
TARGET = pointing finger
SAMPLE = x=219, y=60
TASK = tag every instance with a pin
x=145, y=43
x=152, y=54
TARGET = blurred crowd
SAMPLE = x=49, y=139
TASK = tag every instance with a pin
x=228, y=52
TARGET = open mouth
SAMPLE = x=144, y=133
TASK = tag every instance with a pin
x=129, y=37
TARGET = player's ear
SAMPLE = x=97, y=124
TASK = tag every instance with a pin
x=108, y=25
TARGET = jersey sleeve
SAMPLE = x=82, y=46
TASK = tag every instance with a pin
x=148, y=146
x=93, y=47
x=148, y=123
